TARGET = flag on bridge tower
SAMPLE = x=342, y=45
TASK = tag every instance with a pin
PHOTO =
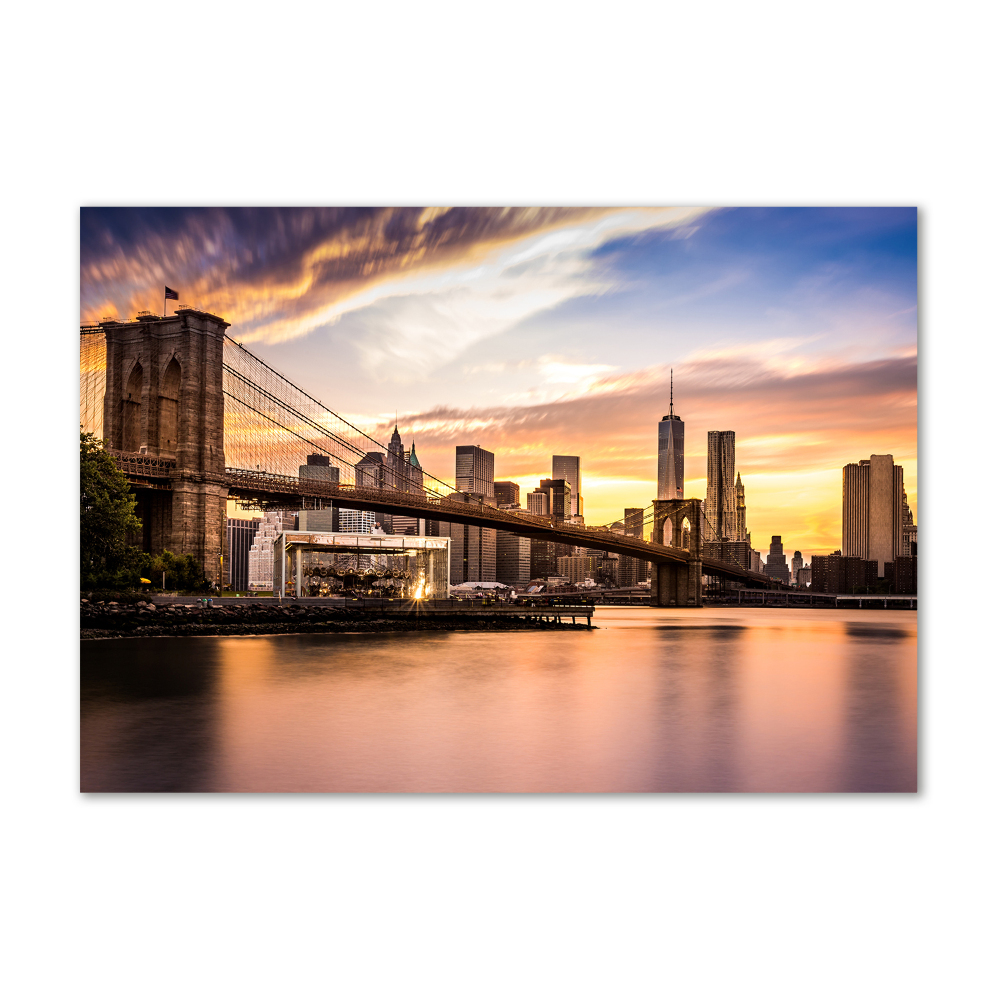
x=168, y=293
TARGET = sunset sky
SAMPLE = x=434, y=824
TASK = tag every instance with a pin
x=534, y=332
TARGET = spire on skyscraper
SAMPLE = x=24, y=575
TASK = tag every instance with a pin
x=670, y=453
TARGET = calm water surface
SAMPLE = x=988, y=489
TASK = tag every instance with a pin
x=655, y=700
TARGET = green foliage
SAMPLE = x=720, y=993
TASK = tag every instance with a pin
x=107, y=519
x=183, y=572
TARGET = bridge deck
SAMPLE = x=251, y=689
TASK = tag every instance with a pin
x=269, y=490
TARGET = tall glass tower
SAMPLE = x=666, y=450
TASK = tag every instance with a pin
x=568, y=467
x=670, y=454
x=720, y=496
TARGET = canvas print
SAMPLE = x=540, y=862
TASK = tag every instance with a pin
x=498, y=499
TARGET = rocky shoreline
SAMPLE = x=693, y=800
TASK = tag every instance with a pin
x=117, y=619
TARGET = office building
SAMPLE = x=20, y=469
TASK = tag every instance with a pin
x=568, y=467
x=776, y=567
x=577, y=568
x=909, y=530
x=513, y=559
x=507, y=493
x=318, y=468
x=240, y=533
x=538, y=503
x=873, y=511
x=670, y=454
x=396, y=464
x=410, y=482
x=542, y=559
x=904, y=575
x=796, y=567
x=559, y=498
x=327, y=519
x=720, y=495
x=371, y=471
x=473, y=470
x=473, y=549
x=741, y=512
x=631, y=569
x=357, y=522
x=839, y=574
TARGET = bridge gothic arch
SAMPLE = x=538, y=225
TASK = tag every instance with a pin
x=169, y=405
x=132, y=409
x=678, y=524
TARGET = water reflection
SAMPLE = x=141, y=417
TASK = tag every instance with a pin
x=878, y=755
x=147, y=715
x=656, y=700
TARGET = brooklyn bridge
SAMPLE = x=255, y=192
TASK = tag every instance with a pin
x=193, y=419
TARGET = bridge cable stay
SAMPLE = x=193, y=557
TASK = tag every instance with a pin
x=292, y=416
x=93, y=365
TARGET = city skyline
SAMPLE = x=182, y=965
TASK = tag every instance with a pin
x=794, y=328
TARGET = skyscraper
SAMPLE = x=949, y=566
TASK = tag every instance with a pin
x=559, y=497
x=670, y=454
x=473, y=553
x=473, y=470
x=473, y=550
x=240, y=534
x=909, y=529
x=507, y=492
x=777, y=567
x=513, y=559
x=796, y=568
x=396, y=470
x=720, y=497
x=741, y=511
x=568, y=467
x=873, y=511
x=412, y=482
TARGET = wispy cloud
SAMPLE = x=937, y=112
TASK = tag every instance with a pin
x=438, y=279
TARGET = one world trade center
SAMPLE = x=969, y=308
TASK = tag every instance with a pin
x=670, y=457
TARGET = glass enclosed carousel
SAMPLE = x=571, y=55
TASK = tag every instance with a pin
x=314, y=564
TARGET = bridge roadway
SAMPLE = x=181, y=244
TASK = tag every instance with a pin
x=269, y=490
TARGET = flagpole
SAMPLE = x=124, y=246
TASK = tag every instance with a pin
x=164, y=301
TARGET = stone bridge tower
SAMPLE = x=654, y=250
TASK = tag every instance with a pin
x=677, y=523
x=163, y=400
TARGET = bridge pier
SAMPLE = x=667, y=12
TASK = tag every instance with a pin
x=163, y=400
x=677, y=523
x=676, y=585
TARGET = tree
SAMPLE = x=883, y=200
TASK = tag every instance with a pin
x=107, y=519
x=181, y=572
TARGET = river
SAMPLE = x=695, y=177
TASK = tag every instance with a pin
x=654, y=700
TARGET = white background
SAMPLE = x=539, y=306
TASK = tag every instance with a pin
x=515, y=103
